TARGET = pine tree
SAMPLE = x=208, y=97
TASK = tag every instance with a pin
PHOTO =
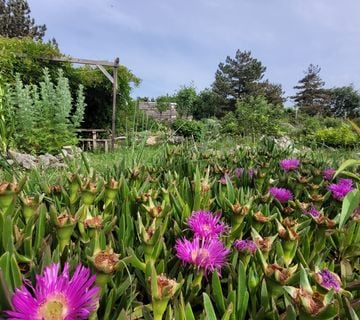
x=15, y=21
x=237, y=79
x=311, y=97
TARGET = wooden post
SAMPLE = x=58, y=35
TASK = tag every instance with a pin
x=115, y=75
x=94, y=139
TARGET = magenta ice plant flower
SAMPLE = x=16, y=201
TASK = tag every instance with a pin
x=223, y=178
x=246, y=246
x=312, y=212
x=206, y=224
x=328, y=280
x=328, y=173
x=283, y=195
x=289, y=164
x=56, y=296
x=207, y=254
x=341, y=189
x=240, y=171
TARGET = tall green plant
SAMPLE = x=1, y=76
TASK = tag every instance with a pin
x=45, y=116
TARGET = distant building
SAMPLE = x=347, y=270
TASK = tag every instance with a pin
x=150, y=109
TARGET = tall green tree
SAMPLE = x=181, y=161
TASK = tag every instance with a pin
x=206, y=104
x=272, y=92
x=185, y=99
x=237, y=79
x=311, y=96
x=15, y=21
x=163, y=103
x=345, y=102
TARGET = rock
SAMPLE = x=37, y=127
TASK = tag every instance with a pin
x=284, y=142
x=47, y=160
x=69, y=152
x=151, y=141
x=176, y=139
x=10, y=162
x=27, y=161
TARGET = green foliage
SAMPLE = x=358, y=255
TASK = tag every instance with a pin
x=236, y=79
x=311, y=97
x=15, y=21
x=188, y=128
x=255, y=117
x=212, y=128
x=134, y=120
x=163, y=103
x=44, y=116
x=229, y=123
x=185, y=99
x=123, y=222
x=98, y=97
x=345, y=102
x=342, y=136
x=26, y=57
x=206, y=105
x=4, y=124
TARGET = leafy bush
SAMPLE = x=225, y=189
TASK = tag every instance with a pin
x=331, y=122
x=44, y=117
x=336, y=137
x=212, y=127
x=188, y=128
x=254, y=116
x=229, y=123
x=28, y=58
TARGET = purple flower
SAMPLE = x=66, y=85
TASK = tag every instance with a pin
x=206, y=224
x=281, y=194
x=207, y=254
x=246, y=246
x=289, y=164
x=312, y=212
x=240, y=171
x=223, y=178
x=328, y=280
x=341, y=189
x=328, y=173
x=56, y=296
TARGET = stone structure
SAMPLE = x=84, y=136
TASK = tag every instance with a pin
x=150, y=109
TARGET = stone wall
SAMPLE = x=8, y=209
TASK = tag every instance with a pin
x=150, y=109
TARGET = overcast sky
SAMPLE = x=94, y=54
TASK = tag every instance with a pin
x=169, y=43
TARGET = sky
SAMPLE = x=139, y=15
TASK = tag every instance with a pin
x=169, y=43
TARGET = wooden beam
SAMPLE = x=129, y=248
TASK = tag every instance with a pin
x=115, y=76
x=83, y=61
x=106, y=74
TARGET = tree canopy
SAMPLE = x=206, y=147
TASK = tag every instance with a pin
x=236, y=78
x=15, y=21
x=345, y=102
x=311, y=97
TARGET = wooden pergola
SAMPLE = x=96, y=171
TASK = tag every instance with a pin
x=112, y=78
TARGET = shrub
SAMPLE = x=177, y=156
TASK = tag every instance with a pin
x=188, y=128
x=336, y=137
x=229, y=123
x=44, y=117
x=212, y=127
x=257, y=117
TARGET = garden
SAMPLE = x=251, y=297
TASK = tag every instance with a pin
x=241, y=208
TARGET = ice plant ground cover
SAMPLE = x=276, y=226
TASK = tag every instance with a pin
x=193, y=234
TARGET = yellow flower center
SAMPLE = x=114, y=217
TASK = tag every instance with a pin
x=53, y=309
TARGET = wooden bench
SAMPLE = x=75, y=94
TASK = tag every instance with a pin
x=94, y=141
